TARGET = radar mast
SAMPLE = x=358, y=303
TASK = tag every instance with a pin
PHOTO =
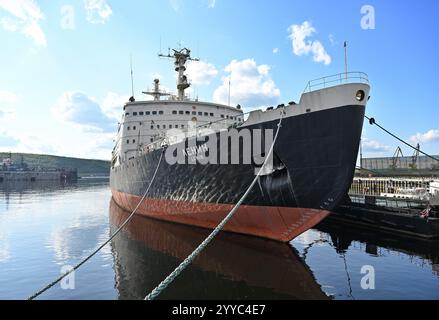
x=180, y=57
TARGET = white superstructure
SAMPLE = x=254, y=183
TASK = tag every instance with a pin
x=146, y=123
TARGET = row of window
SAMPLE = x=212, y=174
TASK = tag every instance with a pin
x=146, y=113
x=134, y=140
x=163, y=126
x=181, y=112
x=194, y=113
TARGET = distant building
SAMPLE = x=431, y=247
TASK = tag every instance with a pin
x=421, y=163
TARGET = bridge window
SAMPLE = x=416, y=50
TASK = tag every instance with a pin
x=211, y=114
x=154, y=113
x=160, y=112
x=174, y=112
x=188, y=112
x=194, y=113
x=134, y=113
x=134, y=141
x=128, y=141
x=222, y=116
x=200, y=113
x=141, y=113
x=134, y=128
x=147, y=113
x=180, y=112
x=152, y=127
x=127, y=114
x=128, y=128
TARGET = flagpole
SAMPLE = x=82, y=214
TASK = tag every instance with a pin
x=346, y=59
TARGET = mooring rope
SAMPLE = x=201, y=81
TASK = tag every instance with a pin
x=50, y=285
x=164, y=284
x=373, y=122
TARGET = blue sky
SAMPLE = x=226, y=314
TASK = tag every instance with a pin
x=64, y=65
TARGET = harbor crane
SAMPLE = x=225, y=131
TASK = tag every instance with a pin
x=396, y=157
x=415, y=157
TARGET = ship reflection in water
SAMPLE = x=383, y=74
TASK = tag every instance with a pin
x=231, y=267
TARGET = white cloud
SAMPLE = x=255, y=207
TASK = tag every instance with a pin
x=429, y=136
x=8, y=24
x=374, y=146
x=7, y=140
x=24, y=16
x=98, y=11
x=7, y=101
x=84, y=128
x=176, y=5
x=302, y=46
x=81, y=110
x=34, y=143
x=275, y=50
x=201, y=73
x=7, y=97
x=251, y=85
x=112, y=105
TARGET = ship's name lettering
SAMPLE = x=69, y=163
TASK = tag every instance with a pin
x=193, y=151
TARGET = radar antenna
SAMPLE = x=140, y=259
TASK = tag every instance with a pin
x=181, y=57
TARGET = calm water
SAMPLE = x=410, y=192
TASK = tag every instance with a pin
x=46, y=227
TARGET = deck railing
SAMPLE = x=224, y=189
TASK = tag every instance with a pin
x=336, y=79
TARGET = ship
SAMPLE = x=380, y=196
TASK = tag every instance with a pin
x=12, y=172
x=199, y=158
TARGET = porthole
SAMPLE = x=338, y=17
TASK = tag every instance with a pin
x=360, y=95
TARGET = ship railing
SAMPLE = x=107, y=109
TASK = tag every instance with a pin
x=337, y=79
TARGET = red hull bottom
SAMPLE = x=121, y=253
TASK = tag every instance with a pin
x=276, y=223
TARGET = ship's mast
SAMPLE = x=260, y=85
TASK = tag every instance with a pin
x=157, y=93
x=181, y=57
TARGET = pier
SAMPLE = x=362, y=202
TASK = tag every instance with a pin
x=401, y=205
x=376, y=186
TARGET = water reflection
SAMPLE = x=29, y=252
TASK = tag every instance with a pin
x=44, y=226
x=378, y=244
x=21, y=190
x=231, y=267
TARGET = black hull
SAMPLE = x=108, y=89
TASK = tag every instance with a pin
x=317, y=151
